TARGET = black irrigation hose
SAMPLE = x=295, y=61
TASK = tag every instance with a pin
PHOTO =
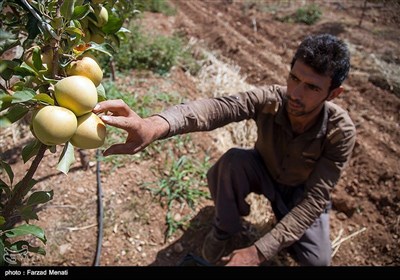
x=99, y=211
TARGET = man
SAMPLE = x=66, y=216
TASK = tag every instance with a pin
x=304, y=142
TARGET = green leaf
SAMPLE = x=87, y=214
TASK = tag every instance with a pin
x=45, y=98
x=104, y=48
x=56, y=22
x=113, y=24
x=40, y=197
x=101, y=92
x=37, y=59
x=7, y=68
x=5, y=35
x=5, y=101
x=5, y=188
x=8, y=170
x=6, y=73
x=4, y=122
x=23, y=95
x=30, y=150
x=25, y=230
x=67, y=158
x=15, y=113
x=67, y=9
x=25, y=68
x=7, y=44
x=81, y=11
x=18, y=187
x=74, y=31
x=3, y=67
x=122, y=35
x=2, y=220
x=28, y=213
x=114, y=39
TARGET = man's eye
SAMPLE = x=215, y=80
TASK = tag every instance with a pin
x=313, y=88
x=293, y=78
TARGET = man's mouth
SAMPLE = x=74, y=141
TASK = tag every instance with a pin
x=295, y=105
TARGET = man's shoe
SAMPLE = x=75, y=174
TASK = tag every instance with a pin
x=213, y=249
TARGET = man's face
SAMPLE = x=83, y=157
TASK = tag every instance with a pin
x=306, y=90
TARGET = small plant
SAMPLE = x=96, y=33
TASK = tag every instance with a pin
x=309, y=14
x=155, y=6
x=180, y=184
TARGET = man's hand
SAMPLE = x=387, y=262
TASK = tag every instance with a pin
x=244, y=257
x=141, y=132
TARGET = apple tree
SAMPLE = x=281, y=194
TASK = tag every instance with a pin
x=54, y=83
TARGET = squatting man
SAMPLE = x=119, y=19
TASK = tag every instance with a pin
x=304, y=142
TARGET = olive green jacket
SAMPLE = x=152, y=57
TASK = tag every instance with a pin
x=314, y=158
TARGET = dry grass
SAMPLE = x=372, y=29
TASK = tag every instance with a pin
x=218, y=78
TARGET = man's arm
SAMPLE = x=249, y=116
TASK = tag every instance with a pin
x=199, y=115
x=208, y=114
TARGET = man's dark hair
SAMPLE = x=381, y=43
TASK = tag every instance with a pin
x=327, y=55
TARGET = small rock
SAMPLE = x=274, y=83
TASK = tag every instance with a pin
x=177, y=217
x=64, y=248
x=346, y=205
x=178, y=248
x=80, y=190
x=341, y=216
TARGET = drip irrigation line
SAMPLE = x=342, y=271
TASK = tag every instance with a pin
x=99, y=211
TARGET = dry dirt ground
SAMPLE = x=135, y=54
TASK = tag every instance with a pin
x=365, y=217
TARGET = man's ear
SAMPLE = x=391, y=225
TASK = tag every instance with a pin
x=335, y=93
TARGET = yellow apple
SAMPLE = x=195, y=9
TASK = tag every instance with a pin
x=91, y=132
x=46, y=55
x=101, y=14
x=77, y=93
x=86, y=66
x=54, y=125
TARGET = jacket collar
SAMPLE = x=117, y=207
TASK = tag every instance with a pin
x=318, y=130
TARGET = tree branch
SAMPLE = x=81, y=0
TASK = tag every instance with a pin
x=17, y=196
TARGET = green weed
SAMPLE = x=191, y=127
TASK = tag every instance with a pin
x=180, y=183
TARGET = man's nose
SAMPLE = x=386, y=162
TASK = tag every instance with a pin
x=298, y=91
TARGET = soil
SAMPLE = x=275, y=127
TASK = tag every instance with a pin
x=366, y=202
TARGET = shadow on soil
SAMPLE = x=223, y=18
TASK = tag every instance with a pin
x=186, y=251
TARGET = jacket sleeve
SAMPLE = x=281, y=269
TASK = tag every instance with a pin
x=337, y=152
x=208, y=114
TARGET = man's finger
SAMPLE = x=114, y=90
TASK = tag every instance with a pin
x=226, y=258
x=120, y=149
x=117, y=107
x=120, y=122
